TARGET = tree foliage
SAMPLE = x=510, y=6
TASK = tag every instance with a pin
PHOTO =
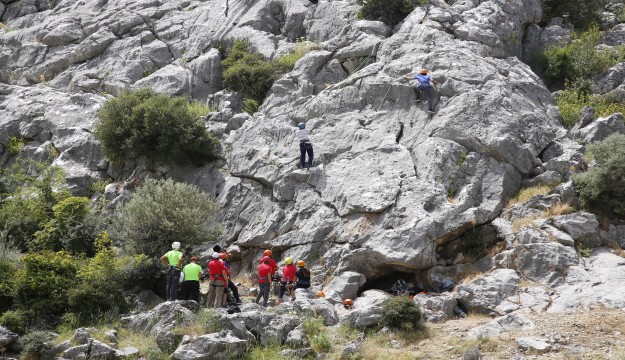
x=400, y=312
x=581, y=13
x=161, y=212
x=391, y=12
x=163, y=129
x=603, y=185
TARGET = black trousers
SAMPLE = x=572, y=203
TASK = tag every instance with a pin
x=190, y=290
x=304, y=148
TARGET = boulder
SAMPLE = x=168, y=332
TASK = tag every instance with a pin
x=93, y=349
x=163, y=316
x=533, y=345
x=82, y=335
x=347, y=284
x=296, y=338
x=582, y=226
x=350, y=350
x=502, y=325
x=371, y=298
x=600, y=129
x=218, y=345
x=316, y=307
x=7, y=337
x=275, y=333
x=436, y=308
x=485, y=293
x=363, y=317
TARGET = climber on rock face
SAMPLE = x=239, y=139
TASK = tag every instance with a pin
x=424, y=84
x=305, y=146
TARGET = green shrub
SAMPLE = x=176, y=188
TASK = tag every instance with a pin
x=321, y=344
x=252, y=75
x=161, y=212
x=391, y=12
x=312, y=326
x=571, y=102
x=67, y=230
x=7, y=286
x=41, y=287
x=34, y=344
x=15, y=145
x=580, y=59
x=603, y=185
x=400, y=312
x=163, y=129
x=101, y=283
x=14, y=321
x=582, y=13
x=98, y=187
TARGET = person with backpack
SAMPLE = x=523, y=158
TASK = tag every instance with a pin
x=287, y=280
x=305, y=146
x=218, y=278
x=302, y=277
x=265, y=272
x=424, y=84
x=191, y=284
x=173, y=259
x=233, y=288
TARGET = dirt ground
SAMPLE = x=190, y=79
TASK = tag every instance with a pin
x=588, y=334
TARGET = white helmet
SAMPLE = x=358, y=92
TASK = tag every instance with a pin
x=175, y=245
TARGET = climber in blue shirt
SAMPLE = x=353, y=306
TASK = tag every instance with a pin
x=424, y=83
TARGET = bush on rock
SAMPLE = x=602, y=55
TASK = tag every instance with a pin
x=582, y=13
x=391, y=12
x=163, y=129
x=400, y=312
x=603, y=185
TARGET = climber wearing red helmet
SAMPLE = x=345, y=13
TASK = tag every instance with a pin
x=265, y=272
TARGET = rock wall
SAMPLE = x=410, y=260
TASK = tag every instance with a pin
x=391, y=183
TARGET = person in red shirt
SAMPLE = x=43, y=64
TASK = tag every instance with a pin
x=265, y=271
x=218, y=279
x=288, y=278
x=272, y=263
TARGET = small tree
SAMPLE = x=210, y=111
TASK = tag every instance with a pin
x=391, y=12
x=161, y=212
x=67, y=230
x=582, y=13
x=603, y=185
x=165, y=130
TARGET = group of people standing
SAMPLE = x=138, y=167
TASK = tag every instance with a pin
x=220, y=284
x=292, y=277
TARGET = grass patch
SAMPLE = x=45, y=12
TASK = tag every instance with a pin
x=583, y=251
x=316, y=333
x=98, y=187
x=557, y=210
x=525, y=194
x=571, y=102
x=199, y=110
x=518, y=224
x=207, y=322
x=263, y=353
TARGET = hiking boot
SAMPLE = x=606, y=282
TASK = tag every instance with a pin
x=431, y=111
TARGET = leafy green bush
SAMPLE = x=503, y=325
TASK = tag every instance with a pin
x=28, y=192
x=14, y=321
x=603, y=185
x=571, y=102
x=391, y=12
x=161, y=212
x=15, y=145
x=400, y=312
x=582, y=13
x=580, y=59
x=34, y=344
x=163, y=129
x=41, y=287
x=252, y=75
x=7, y=286
x=101, y=283
x=67, y=230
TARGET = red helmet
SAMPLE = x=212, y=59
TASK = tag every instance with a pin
x=265, y=259
x=267, y=253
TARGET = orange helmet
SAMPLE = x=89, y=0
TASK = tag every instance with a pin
x=320, y=294
x=348, y=302
x=267, y=253
x=223, y=255
x=423, y=71
x=301, y=263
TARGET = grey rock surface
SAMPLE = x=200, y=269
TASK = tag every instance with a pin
x=162, y=317
x=600, y=129
x=533, y=345
x=502, y=325
x=363, y=317
x=211, y=346
x=485, y=293
x=437, y=308
x=7, y=337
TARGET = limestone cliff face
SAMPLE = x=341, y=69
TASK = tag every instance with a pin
x=391, y=183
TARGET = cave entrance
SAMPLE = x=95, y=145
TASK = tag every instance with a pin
x=388, y=280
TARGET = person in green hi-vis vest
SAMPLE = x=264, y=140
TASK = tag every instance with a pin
x=191, y=283
x=173, y=259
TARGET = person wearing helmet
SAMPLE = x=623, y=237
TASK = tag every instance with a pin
x=173, y=260
x=305, y=146
x=265, y=271
x=191, y=283
x=424, y=84
x=233, y=288
x=218, y=279
x=287, y=280
x=302, y=277
x=272, y=262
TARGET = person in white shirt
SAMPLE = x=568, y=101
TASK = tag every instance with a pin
x=305, y=146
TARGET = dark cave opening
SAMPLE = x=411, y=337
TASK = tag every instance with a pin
x=390, y=278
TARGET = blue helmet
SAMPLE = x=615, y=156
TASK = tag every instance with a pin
x=301, y=125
